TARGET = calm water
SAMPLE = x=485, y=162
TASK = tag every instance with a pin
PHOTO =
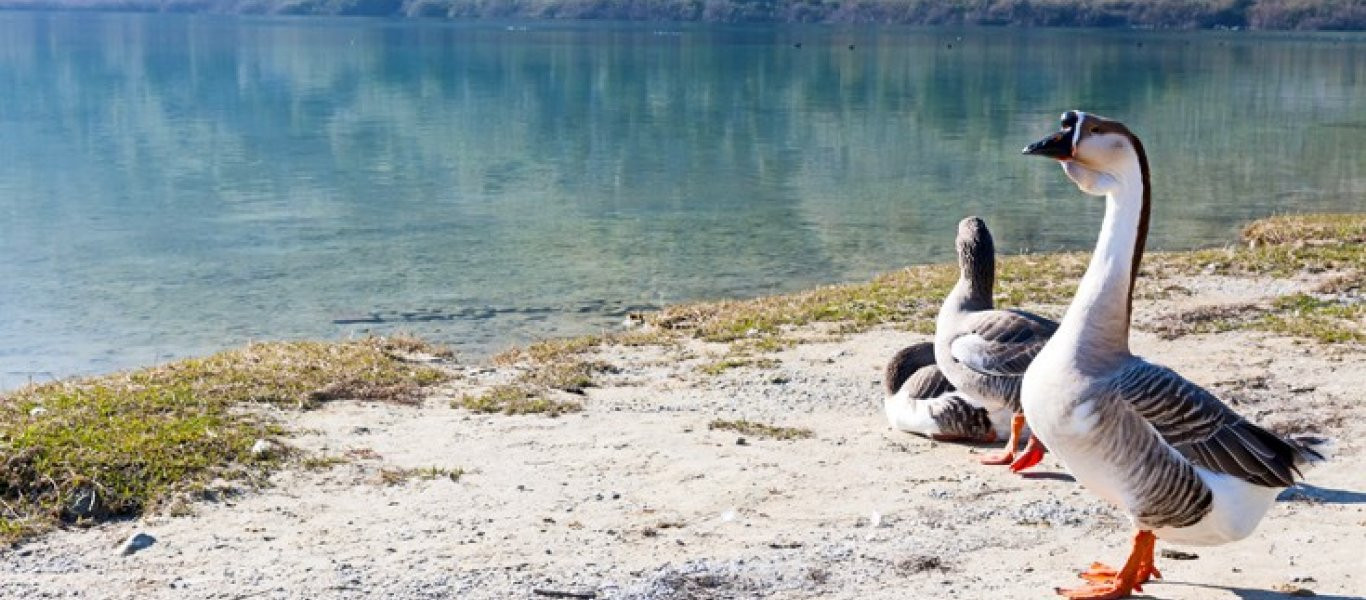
x=174, y=185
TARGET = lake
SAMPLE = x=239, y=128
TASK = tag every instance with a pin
x=173, y=185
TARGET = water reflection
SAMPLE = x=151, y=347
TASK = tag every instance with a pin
x=176, y=184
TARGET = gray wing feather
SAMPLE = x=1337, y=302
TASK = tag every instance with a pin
x=1001, y=342
x=1206, y=431
x=928, y=382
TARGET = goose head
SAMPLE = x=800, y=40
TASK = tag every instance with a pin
x=1098, y=154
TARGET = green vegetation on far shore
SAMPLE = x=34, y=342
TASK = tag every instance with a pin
x=97, y=448
x=1170, y=14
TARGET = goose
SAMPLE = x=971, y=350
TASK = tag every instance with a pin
x=1185, y=467
x=921, y=401
x=983, y=352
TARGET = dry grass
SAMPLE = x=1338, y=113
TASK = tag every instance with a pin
x=1206, y=319
x=552, y=350
x=1306, y=229
x=736, y=362
x=300, y=374
x=761, y=430
x=568, y=375
x=1328, y=320
x=515, y=400
x=396, y=476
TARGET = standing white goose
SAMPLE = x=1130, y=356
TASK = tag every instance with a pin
x=982, y=351
x=921, y=401
x=1182, y=464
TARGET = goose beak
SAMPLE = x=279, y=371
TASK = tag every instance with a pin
x=1058, y=145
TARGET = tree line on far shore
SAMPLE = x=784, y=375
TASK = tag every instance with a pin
x=1168, y=14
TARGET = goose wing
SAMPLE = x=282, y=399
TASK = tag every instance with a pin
x=928, y=382
x=1001, y=342
x=1203, y=429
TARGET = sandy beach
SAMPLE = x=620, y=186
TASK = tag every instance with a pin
x=636, y=497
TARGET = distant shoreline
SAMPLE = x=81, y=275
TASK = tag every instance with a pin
x=1284, y=15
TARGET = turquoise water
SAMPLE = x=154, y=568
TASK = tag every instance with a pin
x=173, y=185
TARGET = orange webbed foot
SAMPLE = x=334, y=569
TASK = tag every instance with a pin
x=1032, y=455
x=1095, y=591
x=1106, y=583
x=1098, y=573
x=1101, y=573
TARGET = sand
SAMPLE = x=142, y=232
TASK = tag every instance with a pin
x=637, y=498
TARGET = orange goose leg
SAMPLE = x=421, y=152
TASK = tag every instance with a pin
x=1017, y=424
x=1109, y=584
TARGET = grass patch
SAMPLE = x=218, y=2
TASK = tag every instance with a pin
x=572, y=376
x=1206, y=319
x=1327, y=320
x=553, y=350
x=398, y=476
x=1306, y=229
x=92, y=449
x=1269, y=261
x=322, y=462
x=644, y=336
x=300, y=374
x=761, y=430
x=726, y=364
x=514, y=400
x=1038, y=278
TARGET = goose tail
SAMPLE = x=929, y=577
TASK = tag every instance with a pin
x=1311, y=450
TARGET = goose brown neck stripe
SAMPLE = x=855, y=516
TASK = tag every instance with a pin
x=1141, y=239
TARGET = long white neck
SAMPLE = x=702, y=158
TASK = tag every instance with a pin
x=1098, y=319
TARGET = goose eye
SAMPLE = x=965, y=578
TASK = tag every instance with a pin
x=1093, y=129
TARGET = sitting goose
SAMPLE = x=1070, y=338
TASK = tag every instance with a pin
x=984, y=352
x=1185, y=467
x=921, y=401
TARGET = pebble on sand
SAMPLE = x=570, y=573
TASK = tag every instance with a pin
x=139, y=541
x=260, y=449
